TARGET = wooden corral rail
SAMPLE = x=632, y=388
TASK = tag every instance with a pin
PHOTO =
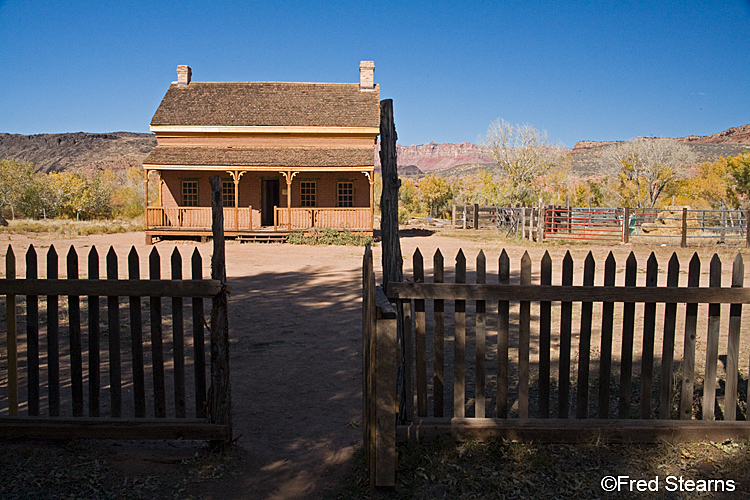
x=66, y=378
x=526, y=399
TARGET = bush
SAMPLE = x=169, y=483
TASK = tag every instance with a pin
x=329, y=236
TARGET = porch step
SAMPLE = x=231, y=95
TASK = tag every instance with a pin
x=263, y=237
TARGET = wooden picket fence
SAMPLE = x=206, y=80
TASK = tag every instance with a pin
x=595, y=394
x=98, y=380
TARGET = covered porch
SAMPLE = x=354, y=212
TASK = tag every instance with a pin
x=259, y=202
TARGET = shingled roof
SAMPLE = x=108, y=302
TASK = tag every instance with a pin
x=269, y=104
x=259, y=157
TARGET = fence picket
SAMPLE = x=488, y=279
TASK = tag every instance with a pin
x=524, y=322
x=628, y=330
x=53, y=338
x=733, y=343
x=667, y=356
x=605, y=360
x=157, y=350
x=481, y=335
x=113, y=331
x=688, y=357
x=438, y=368
x=712, y=343
x=584, y=342
x=199, y=352
x=178, y=340
x=136, y=339
x=566, y=317
x=503, y=320
x=459, y=343
x=545, y=315
x=421, y=328
x=649, y=329
x=94, y=335
x=74, y=323
x=32, y=335
x=11, y=335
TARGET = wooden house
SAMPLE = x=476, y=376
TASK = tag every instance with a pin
x=292, y=156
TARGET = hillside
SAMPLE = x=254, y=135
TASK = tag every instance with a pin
x=88, y=152
x=78, y=151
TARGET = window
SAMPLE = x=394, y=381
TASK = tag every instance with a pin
x=307, y=194
x=190, y=193
x=345, y=194
x=227, y=193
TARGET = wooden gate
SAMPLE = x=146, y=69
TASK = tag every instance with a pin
x=546, y=379
x=74, y=371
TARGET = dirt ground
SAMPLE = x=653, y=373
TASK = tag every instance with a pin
x=295, y=325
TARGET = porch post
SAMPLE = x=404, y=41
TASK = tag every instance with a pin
x=289, y=175
x=371, y=178
x=145, y=197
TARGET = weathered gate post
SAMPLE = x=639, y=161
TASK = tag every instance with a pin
x=392, y=260
x=220, y=392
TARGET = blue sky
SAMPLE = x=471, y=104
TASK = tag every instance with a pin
x=581, y=70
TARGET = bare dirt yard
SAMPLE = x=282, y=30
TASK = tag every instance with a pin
x=295, y=327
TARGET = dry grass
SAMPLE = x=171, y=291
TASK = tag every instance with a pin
x=59, y=228
x=507, y=470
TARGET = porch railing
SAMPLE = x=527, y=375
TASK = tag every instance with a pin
x=356, y=219
x=235, y=219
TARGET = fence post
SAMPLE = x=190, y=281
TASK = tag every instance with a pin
x=453, y=216
x=626, y=225
x=476, y=216
x=683, y=241
x=540, y=222
x=531, y=223
x=523, y=222
x=463, y=218
x=747, y=229
x=386, y=356
x=220, y=393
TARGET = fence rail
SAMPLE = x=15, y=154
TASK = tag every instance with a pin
x=517, y=366
x=670, y=225
x=74, y=371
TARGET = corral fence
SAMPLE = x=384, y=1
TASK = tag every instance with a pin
x=73, y=370
x=668, y=226
x=503, y=357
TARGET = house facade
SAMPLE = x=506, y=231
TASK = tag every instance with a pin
x=292, y=156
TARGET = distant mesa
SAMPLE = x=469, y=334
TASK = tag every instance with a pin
x=90, y=152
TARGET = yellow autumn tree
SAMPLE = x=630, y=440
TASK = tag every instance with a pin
x=436, y=193
x=711, y=187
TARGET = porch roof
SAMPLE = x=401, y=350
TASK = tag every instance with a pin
x=195, y=156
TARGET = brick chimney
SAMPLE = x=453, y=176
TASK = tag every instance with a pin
x=367, y=75
x=183, y=75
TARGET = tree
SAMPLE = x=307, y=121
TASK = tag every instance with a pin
x=524, y=155
x=710, y=188
x=739, y=167
x=15, y=178
x=436, y=194
x=644, y=168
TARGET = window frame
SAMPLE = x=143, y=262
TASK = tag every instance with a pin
x=309, y=198
x=341, y=197
x=227, y=197
x=189, y=195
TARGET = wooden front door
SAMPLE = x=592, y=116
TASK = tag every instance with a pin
x=269, y=198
